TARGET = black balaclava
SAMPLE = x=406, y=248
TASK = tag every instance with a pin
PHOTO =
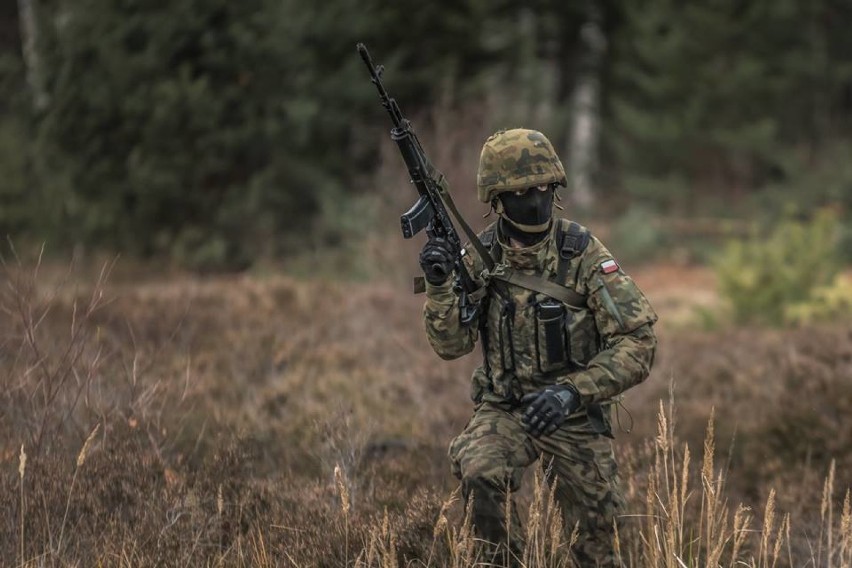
x=526, y=218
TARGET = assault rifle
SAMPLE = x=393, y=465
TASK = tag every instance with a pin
x=429, y=211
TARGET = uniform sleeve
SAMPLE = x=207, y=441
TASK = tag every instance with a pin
x=446, y=335
x=624, y=319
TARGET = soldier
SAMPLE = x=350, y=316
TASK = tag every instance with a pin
x=553, y=362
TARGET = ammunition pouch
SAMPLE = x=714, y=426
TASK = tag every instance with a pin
x=553, y=348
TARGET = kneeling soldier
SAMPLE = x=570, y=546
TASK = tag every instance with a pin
x=555, y=357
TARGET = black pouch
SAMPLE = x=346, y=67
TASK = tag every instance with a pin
x=552, y=345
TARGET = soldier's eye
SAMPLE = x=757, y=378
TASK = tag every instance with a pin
x=522, y=192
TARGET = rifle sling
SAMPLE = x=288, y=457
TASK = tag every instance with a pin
x=444, y=193
x=536, y=284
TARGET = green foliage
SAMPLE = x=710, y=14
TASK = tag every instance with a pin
x=218, y=132
x=827, y=303
x=763, y=277
x=167, y=129
x=17, y=206
x=707, y=94
x=209, y=130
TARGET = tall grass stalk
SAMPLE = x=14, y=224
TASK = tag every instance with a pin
x=442, y=524
x=81, y=459
x=459, y=541
x=22, y=468
x=382, y=547
x=845, y=552
x=673, y=531
x=344, y=505
x=826, y=513
x=259, y=554
x=220, y=508
x=546, y=544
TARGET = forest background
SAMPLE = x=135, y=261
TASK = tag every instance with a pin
x=249, y=384
x=217, y=133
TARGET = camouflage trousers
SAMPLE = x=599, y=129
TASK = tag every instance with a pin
x=490, y=456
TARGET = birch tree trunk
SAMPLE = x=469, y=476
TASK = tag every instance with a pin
x=29, y=47
x=584, y=134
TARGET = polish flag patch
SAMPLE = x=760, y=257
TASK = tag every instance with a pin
x=609, y=266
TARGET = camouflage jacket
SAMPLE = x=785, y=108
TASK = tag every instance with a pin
x=607, y=346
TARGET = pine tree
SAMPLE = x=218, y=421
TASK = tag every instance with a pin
x=710, y=94
x=210, y=128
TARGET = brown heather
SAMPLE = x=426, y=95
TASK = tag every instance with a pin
x=267, y=421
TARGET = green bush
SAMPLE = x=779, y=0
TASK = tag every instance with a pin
x=833, y=302
x=763, y=277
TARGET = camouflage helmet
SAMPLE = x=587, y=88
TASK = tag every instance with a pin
x=516, y=159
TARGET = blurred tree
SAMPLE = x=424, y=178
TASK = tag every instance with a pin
x=707, y=94
x=30, y=29
x=10, y=41
x=17, y=203
x=550, y=78
x=585, y=129
x=165, y=124
x=219, y=131
x=208, y=129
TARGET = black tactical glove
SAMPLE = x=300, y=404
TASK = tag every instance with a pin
x=548, y=409
x=436, y=260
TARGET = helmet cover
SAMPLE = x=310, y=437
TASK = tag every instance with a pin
x=517, y=159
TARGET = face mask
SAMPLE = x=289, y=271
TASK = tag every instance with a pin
x=529, y=211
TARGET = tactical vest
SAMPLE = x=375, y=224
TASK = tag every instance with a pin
x=529, y=338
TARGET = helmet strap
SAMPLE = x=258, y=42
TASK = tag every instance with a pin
x=558, y=197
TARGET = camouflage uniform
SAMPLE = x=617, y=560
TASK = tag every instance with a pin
x=610, y=347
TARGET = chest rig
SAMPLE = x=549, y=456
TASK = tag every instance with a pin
x=529, y=319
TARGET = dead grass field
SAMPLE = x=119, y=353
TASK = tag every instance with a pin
x=262, y=420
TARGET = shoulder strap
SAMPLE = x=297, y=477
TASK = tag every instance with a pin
x=447, y=199
x=538, y=284
x=571, y=242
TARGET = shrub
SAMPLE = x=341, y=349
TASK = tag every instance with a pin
x=827, y=303
x=763, y=277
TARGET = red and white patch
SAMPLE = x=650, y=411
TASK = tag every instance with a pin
x=609, y=266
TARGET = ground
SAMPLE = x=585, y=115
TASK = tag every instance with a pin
x=226, y=404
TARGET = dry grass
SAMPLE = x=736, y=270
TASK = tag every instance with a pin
x=241, y=421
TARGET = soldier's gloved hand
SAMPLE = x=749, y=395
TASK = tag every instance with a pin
x=436, y=260
x=548, y=409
